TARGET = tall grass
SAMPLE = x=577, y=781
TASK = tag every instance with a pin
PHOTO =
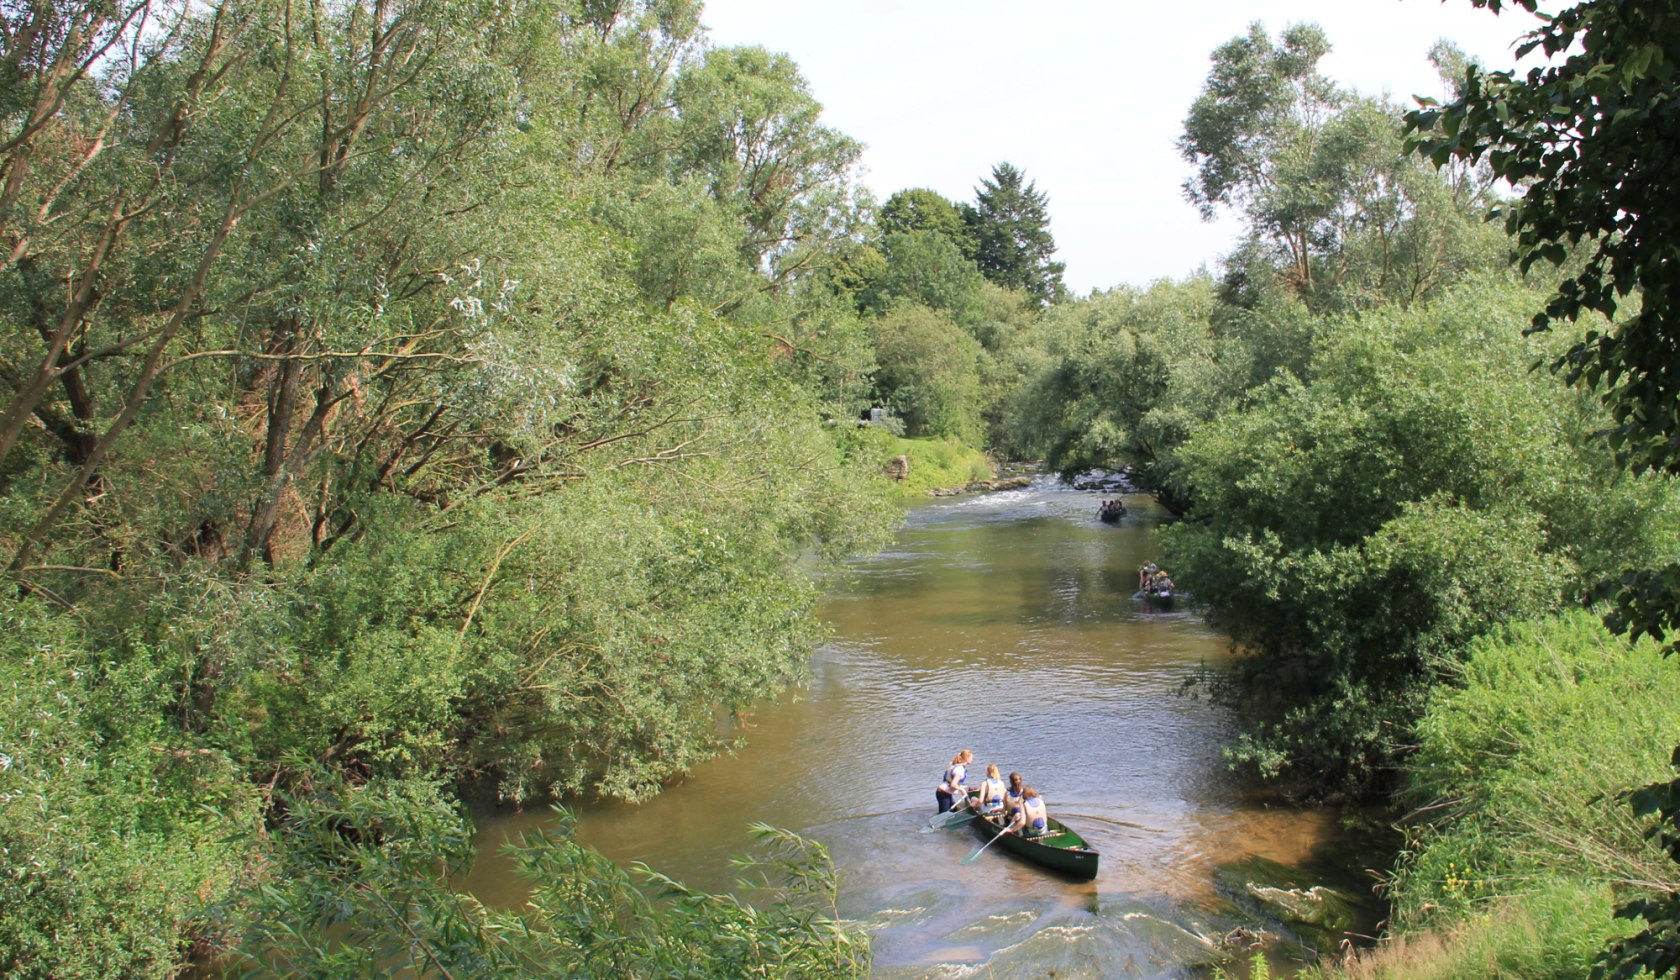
x=1551, y=933
x=1518, y=767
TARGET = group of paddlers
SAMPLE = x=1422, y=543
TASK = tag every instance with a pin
x=1017, y=801
x=1154, y=580
x=1111, y=510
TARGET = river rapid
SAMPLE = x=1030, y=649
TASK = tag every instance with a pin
x=1002, y=623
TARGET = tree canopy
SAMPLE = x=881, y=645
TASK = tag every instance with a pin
x=919, y=209
x=1336, y=211
x=343, y=339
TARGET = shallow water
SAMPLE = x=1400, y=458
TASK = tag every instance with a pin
x=1001, y=623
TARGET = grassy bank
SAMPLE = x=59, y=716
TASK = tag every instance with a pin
x=935, y=464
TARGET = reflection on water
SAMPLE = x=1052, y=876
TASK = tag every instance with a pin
x=1000, y=623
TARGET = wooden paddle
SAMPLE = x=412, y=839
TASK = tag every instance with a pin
x=974, y=855
x=956, y=814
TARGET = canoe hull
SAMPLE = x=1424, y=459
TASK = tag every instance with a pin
x=1059, y=850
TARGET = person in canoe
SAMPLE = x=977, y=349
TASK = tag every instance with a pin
x=1033, y=820
x=991, y=791
x=1012, y=796
x=951, y=786
x=1146, y=576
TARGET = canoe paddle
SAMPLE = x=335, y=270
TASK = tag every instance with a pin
x=948, y=818
x=974, y=855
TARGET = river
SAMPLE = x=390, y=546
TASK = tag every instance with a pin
x=1002, y=623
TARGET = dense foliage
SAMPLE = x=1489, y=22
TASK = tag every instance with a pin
x=344, y=906
x=397, y=397
x=402, y=397
x=1586, y=139
x=1338, y=215
x=1516, y=845
x=1355, y=533
x=1370, y=473
x=1126, y=376
x=1519, y=760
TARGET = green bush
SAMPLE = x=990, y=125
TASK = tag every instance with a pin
x=928, y=371
x=1352, y=534
x=1519, y=852
x=1520, y=762
x=114, y=825
x=359, y=888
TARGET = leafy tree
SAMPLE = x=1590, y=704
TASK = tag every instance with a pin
x=1586, y=139
x=1256, y=119
x=343, y=338
x=1337, y=212
x=750, y=129
x=929, y=372
x=604, y=91
x=928, y=268
x=1353, y=534
x=686, y=246
x=1126, y=376
x=1005, y=322
x=919, y=209
x=1576, y=138
x=1010, y=226
x=818, y=338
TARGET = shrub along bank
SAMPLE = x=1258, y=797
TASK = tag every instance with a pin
x=1519, y=850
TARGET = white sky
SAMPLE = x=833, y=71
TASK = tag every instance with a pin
x=1086, y=97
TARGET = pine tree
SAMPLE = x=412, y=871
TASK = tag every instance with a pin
x=1011, y=227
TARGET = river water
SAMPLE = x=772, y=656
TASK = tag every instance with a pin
x=1002, y=623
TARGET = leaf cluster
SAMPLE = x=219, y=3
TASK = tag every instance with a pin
x=365, y=891
x=1355, y=533
x=393, y=397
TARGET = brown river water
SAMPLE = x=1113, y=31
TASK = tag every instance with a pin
x=1003, y=623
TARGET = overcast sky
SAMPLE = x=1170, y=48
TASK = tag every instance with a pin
x=1087, y=97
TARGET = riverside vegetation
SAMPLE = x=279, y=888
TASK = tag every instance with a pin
x=405, y=400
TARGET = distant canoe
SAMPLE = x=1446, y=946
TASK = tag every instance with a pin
x=1111, y=515
x=1061, y=849
x=1156, y=597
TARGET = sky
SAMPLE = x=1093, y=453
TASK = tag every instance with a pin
x=1087, y=97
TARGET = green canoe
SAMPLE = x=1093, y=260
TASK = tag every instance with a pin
x=1060, y=849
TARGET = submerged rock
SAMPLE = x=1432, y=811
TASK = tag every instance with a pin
x=1320, y=915
x=1008, y=483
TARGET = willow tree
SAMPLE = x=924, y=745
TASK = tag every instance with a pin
x=345, y=438
x=1336, y=211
